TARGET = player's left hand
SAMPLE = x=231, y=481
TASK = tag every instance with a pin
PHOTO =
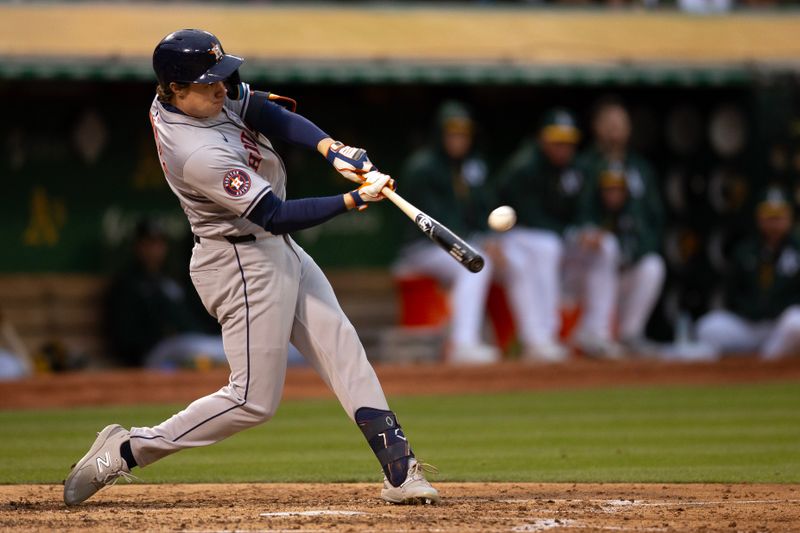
x=371, y=190
x=352, y=163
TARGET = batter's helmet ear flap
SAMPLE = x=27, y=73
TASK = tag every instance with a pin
x=234, y=86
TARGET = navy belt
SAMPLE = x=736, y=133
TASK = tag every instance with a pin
x=233, y=239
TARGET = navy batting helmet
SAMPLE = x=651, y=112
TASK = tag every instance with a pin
x=194, y=56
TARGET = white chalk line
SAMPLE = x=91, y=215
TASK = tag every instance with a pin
x=543, y=524
x=616, y=528
x=250, y=530
x=315, y=512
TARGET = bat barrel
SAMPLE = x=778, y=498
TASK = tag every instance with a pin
x=475, y=264
x=439, y=233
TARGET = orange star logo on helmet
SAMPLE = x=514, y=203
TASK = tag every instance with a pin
x=217, y=51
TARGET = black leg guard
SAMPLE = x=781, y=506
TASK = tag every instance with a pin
x=385, y=437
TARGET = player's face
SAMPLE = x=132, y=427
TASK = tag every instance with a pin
x=201, y=100
x=614, y=198
x=457, y=144
x=151, y=253
x=560, y=154
x=613, y=127
x=775, y=227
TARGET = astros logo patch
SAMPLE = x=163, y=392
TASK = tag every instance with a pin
x=236, y=182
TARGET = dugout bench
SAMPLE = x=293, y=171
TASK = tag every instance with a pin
x=57, y=313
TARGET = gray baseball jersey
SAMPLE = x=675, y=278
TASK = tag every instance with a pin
x=218, y=167
x=264, y=293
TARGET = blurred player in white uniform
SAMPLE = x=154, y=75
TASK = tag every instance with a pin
x=541, y=183
x=448, y=181
x=762, y=288
x=212, y=134
x=617, y=249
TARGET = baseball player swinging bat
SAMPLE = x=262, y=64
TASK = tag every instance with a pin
x=438, y=233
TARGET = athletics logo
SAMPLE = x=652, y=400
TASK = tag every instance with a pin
x=236, y=182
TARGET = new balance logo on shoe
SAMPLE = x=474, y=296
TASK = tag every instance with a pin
x=101, y=462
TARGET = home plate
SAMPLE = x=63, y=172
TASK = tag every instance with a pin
x=321, y=512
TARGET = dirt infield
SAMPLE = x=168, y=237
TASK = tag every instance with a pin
x=517, y=507
x=138, y=386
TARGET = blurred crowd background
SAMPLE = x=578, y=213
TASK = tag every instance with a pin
x=88, y=217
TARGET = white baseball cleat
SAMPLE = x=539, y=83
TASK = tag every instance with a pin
x=414, y=490
x=101, y=466
x=546, y=352
x=599, y=348
x=473, y=354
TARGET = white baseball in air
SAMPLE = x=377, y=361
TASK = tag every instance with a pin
x=503, y=218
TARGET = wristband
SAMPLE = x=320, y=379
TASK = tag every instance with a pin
x=357, y=198
x=332, y=149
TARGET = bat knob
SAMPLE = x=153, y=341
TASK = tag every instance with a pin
x=476, y=264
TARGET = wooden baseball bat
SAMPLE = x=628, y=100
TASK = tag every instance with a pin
x=438, y=233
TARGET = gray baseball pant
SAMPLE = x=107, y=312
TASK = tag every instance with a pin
x=264, y=294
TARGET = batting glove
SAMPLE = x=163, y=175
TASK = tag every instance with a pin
x=352, y=163
x=370, y=191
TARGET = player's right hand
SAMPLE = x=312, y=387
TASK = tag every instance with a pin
x=374, y=182
x=591, y=239
x=352, y=163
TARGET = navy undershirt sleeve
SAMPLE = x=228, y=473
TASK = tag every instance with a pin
x=276, y=122
x=278, y=216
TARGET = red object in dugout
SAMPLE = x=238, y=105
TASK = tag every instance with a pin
x=423, y=302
